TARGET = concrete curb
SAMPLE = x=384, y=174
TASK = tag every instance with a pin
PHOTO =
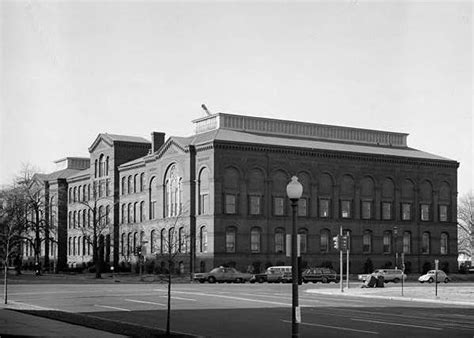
x=407, y=299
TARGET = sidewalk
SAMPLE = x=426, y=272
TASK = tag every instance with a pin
x=20, y=324
x=455, y=294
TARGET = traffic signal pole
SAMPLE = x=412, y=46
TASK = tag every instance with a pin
x=341, y=268
x=347, y=259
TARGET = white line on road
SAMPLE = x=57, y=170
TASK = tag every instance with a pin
x=112, y=307
x=333, y=327
x=396, y=324
x=180, y=298
x=144, y=302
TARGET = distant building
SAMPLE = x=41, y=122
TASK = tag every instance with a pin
x=222, y=193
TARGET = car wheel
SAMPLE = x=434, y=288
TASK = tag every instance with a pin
x=430, y=280
x=211, y=279
x=446, y=280
x=239, y=280
x=396, y=280
x=324, y=280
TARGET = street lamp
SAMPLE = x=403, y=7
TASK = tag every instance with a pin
x=294, y=189
x=395, y=234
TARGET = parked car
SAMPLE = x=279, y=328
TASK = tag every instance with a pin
x=222, y=274
x=273, y=274
x=389, y=275
x=430, y=277
x=323, y=275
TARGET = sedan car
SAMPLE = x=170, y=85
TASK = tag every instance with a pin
x=430, y=277
x=222, y=274
x=323, y=275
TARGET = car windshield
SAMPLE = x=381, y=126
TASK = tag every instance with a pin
x=216, y=270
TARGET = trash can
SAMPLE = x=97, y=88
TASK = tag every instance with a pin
x=380, y=282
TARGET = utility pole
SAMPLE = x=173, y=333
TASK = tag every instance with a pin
x=341, y=268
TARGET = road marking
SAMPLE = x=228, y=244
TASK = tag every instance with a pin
x=333, y=327
x=396, y=324
x=112, y=307
x=180, y=298
x=232, y=297
x=144, y=302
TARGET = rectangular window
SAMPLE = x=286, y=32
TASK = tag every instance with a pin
x=230, y=241
x=107, y=187
x=279, y=242
x=443, y=213
x=386, y=211
x=255, y=241
x=204, y=204
x=406, y=211
x=346, y=209
x=230, y=207
x=279, y=206
x=366, y=210
x=255, y=205
x=324, y=208
x=302, y=207
x=387, y=243
x=425, y=212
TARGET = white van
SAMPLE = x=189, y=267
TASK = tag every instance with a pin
x=277, y=274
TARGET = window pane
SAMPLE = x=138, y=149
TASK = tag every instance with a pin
x=279, y=242
x=407, y=243
x=324, y=245
x=367, y=242
x=444, y=244
x=387, y=242
x=406, y=211
x=302, y=207
x=255, y=205
x=230, y=240
x=204, y=204
x=345, y=209
x=255, y=240
x=279, y=206
x=302, y=238
x=324, y=208
x=443, y=213
x=230, y=204
x=425, y=243
x=425, y=212
x=366, y=210
x=386, y=210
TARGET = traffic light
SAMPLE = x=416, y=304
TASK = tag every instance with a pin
x=343, y=243
x=139, y=250
x=336, y=242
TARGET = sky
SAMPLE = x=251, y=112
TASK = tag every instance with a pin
x=71, y=70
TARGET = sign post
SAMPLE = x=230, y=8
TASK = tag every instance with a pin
x=347, y=259
x=436, y=276
x=341, y=269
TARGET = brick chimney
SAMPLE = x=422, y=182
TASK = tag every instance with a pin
x=157, y=140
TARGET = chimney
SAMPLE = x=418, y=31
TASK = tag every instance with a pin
x=157, y=140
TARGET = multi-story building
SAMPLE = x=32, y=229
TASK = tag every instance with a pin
x=220, y=196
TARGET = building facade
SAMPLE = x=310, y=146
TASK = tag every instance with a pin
x=219, y=197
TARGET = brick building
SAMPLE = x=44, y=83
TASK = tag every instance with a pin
x=220, y=196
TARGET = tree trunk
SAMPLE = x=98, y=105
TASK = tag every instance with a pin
x=5, y=285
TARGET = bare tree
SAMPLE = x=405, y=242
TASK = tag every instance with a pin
x=174, y=246
x=466, y=224
x=98, y=206
x=12, y=229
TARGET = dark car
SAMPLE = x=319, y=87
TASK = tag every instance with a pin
x=222, y=274
x=323, y=275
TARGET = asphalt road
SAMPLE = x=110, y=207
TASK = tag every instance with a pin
x=250, y=310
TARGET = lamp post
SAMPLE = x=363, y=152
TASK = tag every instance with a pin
x=395, y=234
x=294, y=189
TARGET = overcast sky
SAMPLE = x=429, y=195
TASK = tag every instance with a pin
x=72, y=70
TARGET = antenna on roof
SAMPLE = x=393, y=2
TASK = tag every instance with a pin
x=203, y=106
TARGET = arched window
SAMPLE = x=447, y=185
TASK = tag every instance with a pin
x=142, y=239
x=152, y=197
x=303, y=240
x=101, y=165
x=407, y=242
x=89, y=218
x=203, y=239
x=88, y=192
x=171, y=240
x=279, y=240
x=172, y=192
x=129, y=212
x=69, y=246
x=142, y=210
x=75, y=194
x=324, y=240
x=135, y=178
x=163, y=248
x=84, y=245
x=107, y=166
x=142, y=182
x=84, y=221
x=95, y=169
x=181, y=240
x=425, y=243
x=129, y=185
x=387, y=242
x=74, y=221
x=70, y=219
x=135, y=212
x=70, y=195
x=74, y=246
x=79, y=245
x=84, y=193
x=123, y=245
x=204, y=192
x=230, y=236
x=255, y=240
x=123, y=185
x=152, y=241
x=129, y=244
x=101, y=219
x=367, y=242
x=444, y=244
x=79, y=193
